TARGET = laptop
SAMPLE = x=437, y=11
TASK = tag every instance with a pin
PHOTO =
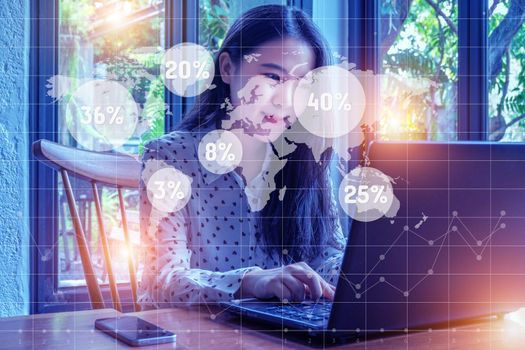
x=454, y=253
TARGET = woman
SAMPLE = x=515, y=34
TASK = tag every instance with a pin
x=225, y=244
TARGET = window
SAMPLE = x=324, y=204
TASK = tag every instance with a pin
x=506, y=71
x=420, y=59
x=215, y=17
x=95, y=40
x=419, y=69
x=118, y=41
x=73, y=43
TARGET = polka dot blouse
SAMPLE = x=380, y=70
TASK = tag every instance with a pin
x=201, y=252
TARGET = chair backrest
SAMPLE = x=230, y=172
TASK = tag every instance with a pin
x=107, y=169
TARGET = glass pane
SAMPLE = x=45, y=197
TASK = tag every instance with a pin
x=506, y=72
x=106, y=41
x=215, y=17
x=418, y=47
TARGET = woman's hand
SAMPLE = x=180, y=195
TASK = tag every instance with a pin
x=293, y=282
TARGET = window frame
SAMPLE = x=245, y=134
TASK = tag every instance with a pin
x=42, y=125
x=473, y=91
x=181, y=25
x=363, y=23
x=472, y=106
x=43, y=200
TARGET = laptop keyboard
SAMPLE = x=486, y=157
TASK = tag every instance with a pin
x=305, y=311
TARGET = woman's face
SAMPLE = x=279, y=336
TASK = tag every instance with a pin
x=262, y=86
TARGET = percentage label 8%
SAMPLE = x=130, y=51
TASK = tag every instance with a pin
x=224, y=150
x=220, y=151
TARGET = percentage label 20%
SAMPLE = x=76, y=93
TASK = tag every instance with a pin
x=186, y=69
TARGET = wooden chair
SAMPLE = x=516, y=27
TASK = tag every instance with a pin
x=107, y=169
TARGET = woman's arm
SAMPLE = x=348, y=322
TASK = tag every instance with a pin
x=294, y=282
x=328, y=263
x=168, y=278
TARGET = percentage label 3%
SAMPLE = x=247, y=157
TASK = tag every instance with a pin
x=171, y=189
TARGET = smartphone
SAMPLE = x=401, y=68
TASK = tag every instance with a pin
x=134, y=331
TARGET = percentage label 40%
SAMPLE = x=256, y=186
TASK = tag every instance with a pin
x=360, y=194
x=326, y=101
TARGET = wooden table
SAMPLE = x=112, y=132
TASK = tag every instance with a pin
x=210, y=328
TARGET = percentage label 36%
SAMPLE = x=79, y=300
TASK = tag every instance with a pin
x=99, y=115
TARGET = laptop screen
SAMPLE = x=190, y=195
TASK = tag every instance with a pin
x=456, y=248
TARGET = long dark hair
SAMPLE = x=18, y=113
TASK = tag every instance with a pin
x=304, y=221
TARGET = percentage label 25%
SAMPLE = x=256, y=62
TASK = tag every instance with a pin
x=367, y=194
x=361, y=194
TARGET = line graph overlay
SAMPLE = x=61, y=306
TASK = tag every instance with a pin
x=456, y=228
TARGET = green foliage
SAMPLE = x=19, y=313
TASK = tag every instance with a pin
x=74, y=16
x=513, y=104
x=154, y=112
x=425, y=49
x=141, y=34
x=116, y=50
x=214, y=21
